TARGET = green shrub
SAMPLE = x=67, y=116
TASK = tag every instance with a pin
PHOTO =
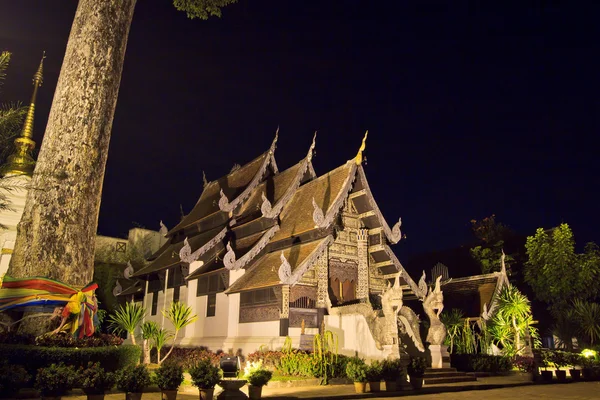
x=481, y=363
x=63, y=339
x=32, y=358
x=391, y=370
x=55, y=380
x=205, y=375
x=169, y=376
x=94, y=379
x=133, y=379
x=356, y=370
x=259, y=377
x=417, y=366
x=12, y=379
x=375, y=371
x=187, y=357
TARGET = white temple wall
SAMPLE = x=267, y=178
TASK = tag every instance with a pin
x=11, y=218
x=354, y=336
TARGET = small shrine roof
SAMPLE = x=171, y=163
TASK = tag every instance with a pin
x=134, y=288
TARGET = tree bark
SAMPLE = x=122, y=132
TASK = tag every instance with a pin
x=57, y=232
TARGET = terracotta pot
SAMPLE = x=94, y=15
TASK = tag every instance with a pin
x=95, y=396
x=254, y=392
x=360, y=387
x=546, y=376
x=390, y=386
x=207, y=394
x=416, y=381
x=587, y=374
x=575, y=374
x=169, y=394
x=51, y=397
x=375, y=386
x=133, y=396
x=561, y=376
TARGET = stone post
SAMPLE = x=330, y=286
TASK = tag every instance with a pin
x=362, y=287
x=321, y=269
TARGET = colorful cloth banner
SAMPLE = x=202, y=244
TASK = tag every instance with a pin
x=80, y=305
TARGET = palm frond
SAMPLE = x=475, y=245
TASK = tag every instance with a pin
x=126, y=319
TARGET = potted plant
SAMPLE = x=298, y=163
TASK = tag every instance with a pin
x=416, y=371
x=205, y=376
x=94, y=381
x=588, y=368
x=560, y=360
x=257, y=377
x=574, y=361
x=374, y=376
x=356, y=371
x=168, y=378
x=12, y=379
x=391, y=372
x=132, y=380
x=545, y=361
x=54, y=381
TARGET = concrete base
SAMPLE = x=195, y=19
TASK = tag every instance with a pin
x=440, y=358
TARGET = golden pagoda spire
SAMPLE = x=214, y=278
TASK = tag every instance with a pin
x=359, y=157
x=20, y=161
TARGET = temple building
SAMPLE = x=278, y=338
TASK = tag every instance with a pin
x=264, y=253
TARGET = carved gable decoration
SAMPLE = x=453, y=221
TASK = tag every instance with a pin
x=298, y=291
x=343, y=271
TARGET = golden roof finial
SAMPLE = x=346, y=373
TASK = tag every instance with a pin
x=359, y=156
x=20, y=161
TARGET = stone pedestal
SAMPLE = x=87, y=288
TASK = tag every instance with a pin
x=440, y=358
x=231, y=390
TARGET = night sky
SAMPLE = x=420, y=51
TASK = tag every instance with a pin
x=472, y=109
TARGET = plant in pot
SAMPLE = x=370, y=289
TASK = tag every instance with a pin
x=168, y=378
x=12, y=379
x=374, y=376
x=587, y=370
x=205, y=376
x=94, y=381
x=560, y=360
x=55, y=380
x=574, y=361
x=356, y=371
x=257, y=377
x=132, y=380
x=416, y=371
x=545, y=356
x=391, y=372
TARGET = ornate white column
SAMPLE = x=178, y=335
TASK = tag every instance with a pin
x=362, y=287
x=284, y=313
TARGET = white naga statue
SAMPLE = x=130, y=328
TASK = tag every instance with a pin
x=433, y=304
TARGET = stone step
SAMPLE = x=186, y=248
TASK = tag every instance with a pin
x=440, y=370
x=452, y=379
x=442, y=374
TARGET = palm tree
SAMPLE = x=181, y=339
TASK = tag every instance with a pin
x=514, y=307
x=127, y=319
x=588, y=318
x=149, y=331
x=180, y=316
x=453, y=322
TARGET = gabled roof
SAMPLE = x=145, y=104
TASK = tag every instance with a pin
x=264, y=272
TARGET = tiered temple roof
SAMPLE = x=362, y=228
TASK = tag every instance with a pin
x=275, y=224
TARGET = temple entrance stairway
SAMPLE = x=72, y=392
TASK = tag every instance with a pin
x=434, y=376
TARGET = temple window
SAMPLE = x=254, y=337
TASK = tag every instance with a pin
x=175, y=277
x=154, y=303
x=211, y=305
x=176, y=293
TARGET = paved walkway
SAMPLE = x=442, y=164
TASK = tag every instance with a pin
x=493, y=388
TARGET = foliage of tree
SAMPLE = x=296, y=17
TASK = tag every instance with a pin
x=492, y=235
x=556, y=273
x=126, y=319
x=180, y=316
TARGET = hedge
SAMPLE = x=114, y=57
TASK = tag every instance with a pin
x=480, y=363
x=111, y=358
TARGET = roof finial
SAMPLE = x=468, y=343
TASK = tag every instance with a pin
x=20, y=161
x=311, y=150
x=359, y=156
x=204, y=181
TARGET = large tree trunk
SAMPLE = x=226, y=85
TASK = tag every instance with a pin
x=57, y=232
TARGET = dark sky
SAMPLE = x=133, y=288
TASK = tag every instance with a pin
x=472, y=109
